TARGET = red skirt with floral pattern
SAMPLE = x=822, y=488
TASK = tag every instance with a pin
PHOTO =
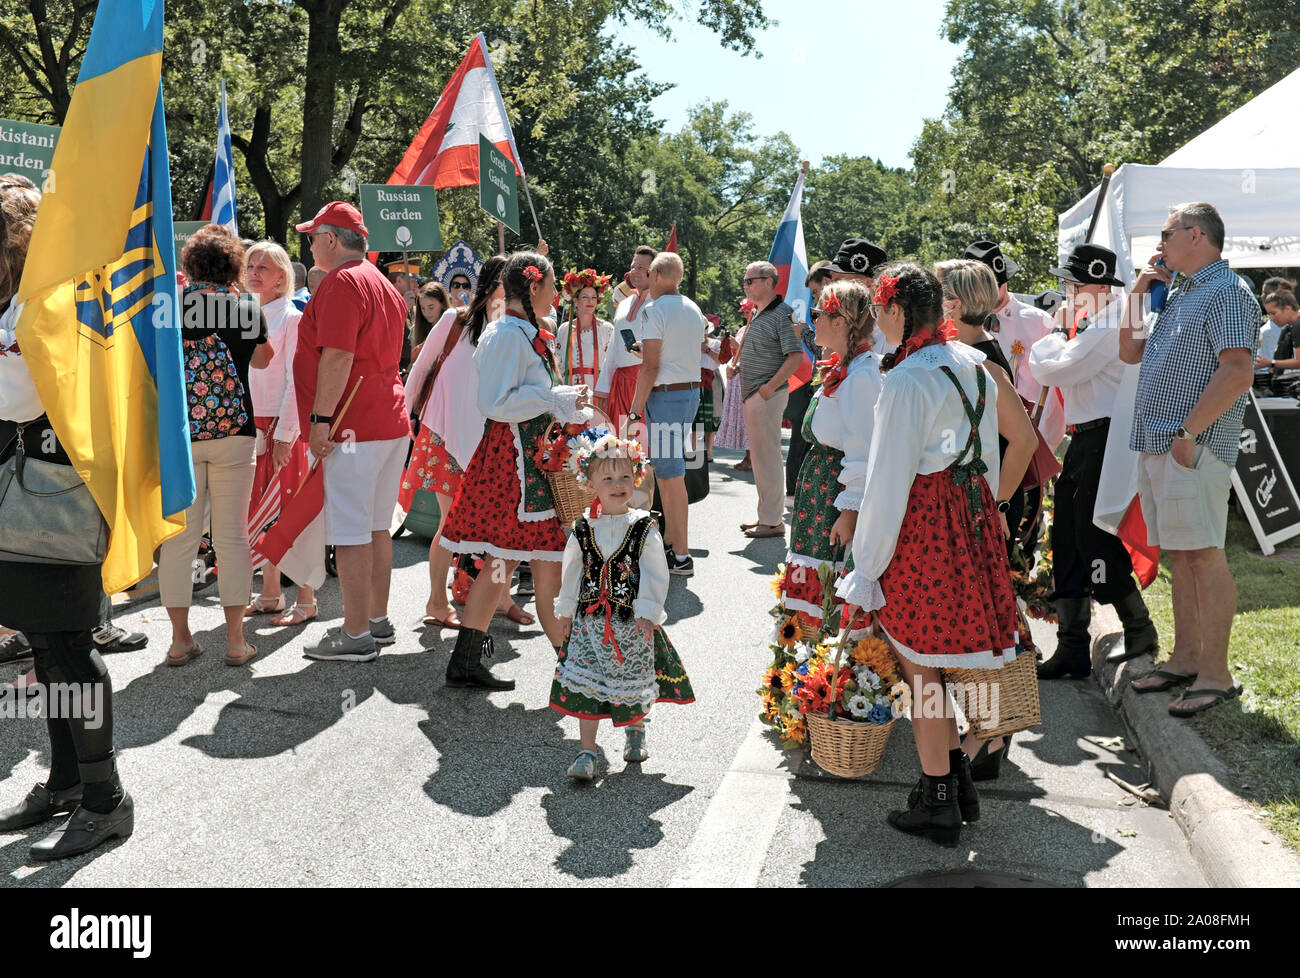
x=431, y=468
x=484, y=516
x=948, y=589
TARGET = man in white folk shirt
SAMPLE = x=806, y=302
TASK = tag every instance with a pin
x=1081, y=358
x=668, y=396
x=1019, y=327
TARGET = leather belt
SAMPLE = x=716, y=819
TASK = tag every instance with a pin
x=676, y=387
x=1089, y=425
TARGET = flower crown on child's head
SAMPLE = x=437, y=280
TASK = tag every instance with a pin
x=606, y=444
x=575, y=281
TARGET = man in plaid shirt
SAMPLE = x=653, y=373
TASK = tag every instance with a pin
x=1197, y=367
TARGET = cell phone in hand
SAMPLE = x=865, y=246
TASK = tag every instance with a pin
x=629, y=339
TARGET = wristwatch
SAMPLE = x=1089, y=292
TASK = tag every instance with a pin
x=1184, y=434
x=1004, y=506
x=322, y=418
x=633, y=416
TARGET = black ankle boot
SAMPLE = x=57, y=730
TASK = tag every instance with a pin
x=1140, y=635
x=986, y=765
x=466, y=667
x=40, y=805
x=968, y=798
x=88, y=829
x=1072, y=659
x=935, y=814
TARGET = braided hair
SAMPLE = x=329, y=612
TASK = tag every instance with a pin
x=921, y=298
x=518, y=286
x=855, y=306
x=476, y=314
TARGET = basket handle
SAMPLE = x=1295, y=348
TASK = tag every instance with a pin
x=835, y=674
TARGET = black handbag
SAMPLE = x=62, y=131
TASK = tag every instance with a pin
x=47, y=515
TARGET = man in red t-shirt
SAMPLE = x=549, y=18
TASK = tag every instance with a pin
x=346, y=370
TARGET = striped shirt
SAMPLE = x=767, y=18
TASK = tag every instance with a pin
x=1206, y=313
x=768, y=341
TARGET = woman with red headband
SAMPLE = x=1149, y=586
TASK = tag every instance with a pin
x=504, y=507
x=838, y=427
x=928, y=554
x=581, y=358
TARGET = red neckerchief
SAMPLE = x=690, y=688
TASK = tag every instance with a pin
x=938, y=336
x=834, y=372
x=637, y=303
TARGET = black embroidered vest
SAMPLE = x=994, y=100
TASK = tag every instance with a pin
x=618, y=576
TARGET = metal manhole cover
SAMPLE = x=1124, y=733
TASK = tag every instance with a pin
x=970, y=879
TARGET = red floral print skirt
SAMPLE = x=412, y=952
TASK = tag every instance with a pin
x=431, y=468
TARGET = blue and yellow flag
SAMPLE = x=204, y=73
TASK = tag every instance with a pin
x=99, y=329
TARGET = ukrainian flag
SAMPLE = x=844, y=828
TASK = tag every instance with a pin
x=99, y=329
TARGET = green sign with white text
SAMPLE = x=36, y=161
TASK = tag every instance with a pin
x=401, y=218
x=498, y=187
x=182, y=231
x=28, y=148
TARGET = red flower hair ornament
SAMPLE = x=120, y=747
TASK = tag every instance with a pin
x=533, y=273
x=886, y=289
x=575, y=282
x=830, y=304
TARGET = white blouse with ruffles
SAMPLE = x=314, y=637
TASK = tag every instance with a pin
x=513, y=383
x=920, y=428
x=609, y=532
x=846, y=419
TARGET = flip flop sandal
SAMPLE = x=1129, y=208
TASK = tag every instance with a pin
x=1220, y=696
x=295, y=615
x=192, y=653
x=244, y=657
x=1168, y=680
x=428, y=620
x=260, y=607
x=763, y=532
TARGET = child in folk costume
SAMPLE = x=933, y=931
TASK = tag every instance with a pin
x=580, y=360
x=929, y=550
x=616, y=662
x=504, y=507
x=838, y=428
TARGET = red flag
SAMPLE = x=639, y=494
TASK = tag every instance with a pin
x=445, y=151
x=1132, y=532
x=296, y=541
x=672, y=241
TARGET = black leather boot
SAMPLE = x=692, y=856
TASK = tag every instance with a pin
x=1072, y=659
x=40, y=805
x=968, y=798
x=1140, y=635
x=935, y=814
x=86, y=829
x=466, y=667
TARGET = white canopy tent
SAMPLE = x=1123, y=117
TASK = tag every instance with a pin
x=1245, y=165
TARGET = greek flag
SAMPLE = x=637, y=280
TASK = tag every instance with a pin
x=223, y=175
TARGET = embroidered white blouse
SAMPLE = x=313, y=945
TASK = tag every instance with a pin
x=513, y=383
x=845, y=420
x=587, y=358
x=271, y=386
x=1087, y=369
x=609, y=532
x=618, y=355
x=921, y=428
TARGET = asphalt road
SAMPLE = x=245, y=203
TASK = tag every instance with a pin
x=290, y=772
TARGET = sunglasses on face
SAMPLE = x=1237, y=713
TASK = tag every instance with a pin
x=756, y=278
x=459, y=285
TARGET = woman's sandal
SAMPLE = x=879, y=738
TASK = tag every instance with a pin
x=260, y=607
x=1168, y=680
x=296, y=615
x=190, y=654
x=517, y=615
x=241, y=658
x=438, y=622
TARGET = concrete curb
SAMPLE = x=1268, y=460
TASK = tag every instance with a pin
x=1227, y=839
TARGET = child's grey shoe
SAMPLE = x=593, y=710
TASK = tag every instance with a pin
x=634, y=750
x=584, y=768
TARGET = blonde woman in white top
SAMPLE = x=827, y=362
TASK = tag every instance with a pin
x=268, y=274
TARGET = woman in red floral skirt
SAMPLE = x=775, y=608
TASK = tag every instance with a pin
x=929, y=553
x=504, y=507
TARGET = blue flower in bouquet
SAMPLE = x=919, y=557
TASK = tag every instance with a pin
x=803, y=668
x=859, y=706
x=880, y=714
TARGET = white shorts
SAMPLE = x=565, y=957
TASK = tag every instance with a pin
x=361, y=483
x=1185, y=509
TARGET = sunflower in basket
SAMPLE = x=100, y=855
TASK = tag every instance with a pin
x=794, y=730
x=875, y=654
x=787, y=631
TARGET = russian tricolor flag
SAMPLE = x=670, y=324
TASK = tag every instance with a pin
x=791, y=261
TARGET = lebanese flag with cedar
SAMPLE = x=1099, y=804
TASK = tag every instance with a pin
x=445, y=151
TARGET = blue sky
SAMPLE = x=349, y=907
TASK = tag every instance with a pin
x=838, y=76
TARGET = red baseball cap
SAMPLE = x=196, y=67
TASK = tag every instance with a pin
x=338, y=214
